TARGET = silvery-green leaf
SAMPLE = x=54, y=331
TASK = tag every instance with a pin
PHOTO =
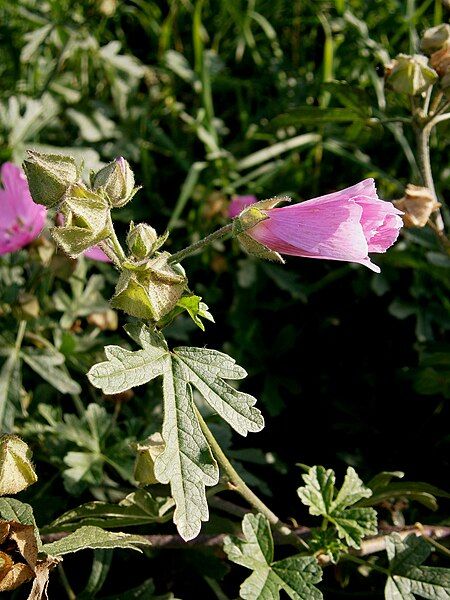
x=49, y=365
x=207, y=370
x=187, y=462
x=409, y=578
x=125, y=369
x=295, y=575
x=94, y=537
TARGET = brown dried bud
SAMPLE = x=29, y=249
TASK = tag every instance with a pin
x=106, y=320
x=440, y=60
x=418, y=204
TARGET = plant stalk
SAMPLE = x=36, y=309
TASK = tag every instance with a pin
x=238, y=485
x=423, y=133
x=212, y=237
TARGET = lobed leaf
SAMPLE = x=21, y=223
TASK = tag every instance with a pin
x=295, y=575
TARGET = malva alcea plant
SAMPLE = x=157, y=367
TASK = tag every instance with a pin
x=152, y=287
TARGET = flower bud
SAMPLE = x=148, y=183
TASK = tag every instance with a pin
x=417, y=204
x=440, y=61
x=410, y=74
x=150, y=291
x=117, y=180
x=50, y=176
x=147, y=453
x=85, y=216
x=16, y=468
x=141, y=240
x=435, y=38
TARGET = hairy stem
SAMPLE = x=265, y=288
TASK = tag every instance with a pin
x=424, y=163
x=238, y=485
x=212, y=237
x=114, y=241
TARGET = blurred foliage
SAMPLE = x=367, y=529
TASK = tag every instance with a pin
x=207, y=99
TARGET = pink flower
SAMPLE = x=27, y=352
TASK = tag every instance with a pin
x=345, y=225
x=96, y=253
x=238, y=204
x=21, y=219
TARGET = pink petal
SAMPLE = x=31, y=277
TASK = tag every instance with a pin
x=331, y=231
x=96, y=253
x=21, y=219
x=381, y=223
x=344, y=225
x=238, y=204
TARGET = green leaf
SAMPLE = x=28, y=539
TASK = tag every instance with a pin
x=195, y=308
x=349, y=96
x=295, y=575
x=95, y=538
x=187, y=462
x=14, y=510
x=138, y=508
x=409, y=578
x=317, y=115
x=10, y=381
x=85, y=299
x=206, y=370
x=125, y=369
x=323, y=499
x=422, y=492
x=48, y=364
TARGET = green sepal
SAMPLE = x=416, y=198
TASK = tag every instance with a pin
x=249, y=218
x=193, y=305
x=151, y=291
x=86, y=217
x=146, y=454
x=50, y=176
x=16, y=468
x=411, y=74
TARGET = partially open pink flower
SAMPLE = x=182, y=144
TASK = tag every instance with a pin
x=96, y=253
x=345, y=225
x=21, y=220
x=238, y=204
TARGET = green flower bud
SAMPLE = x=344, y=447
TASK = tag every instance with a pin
x=411, y=74
x=50, y=176
x=150, y=291
x=85, y=217
x=117, y=180
x=435, y=38
x=147, y=453
x=16, y=468
x=141, y=240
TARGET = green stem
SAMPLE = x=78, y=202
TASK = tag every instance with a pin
x=239, y=486
x=423, y=156
x=114, y=241
x=424, y=163
x=65, y=582
x=212, y=237
x=19, y=337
